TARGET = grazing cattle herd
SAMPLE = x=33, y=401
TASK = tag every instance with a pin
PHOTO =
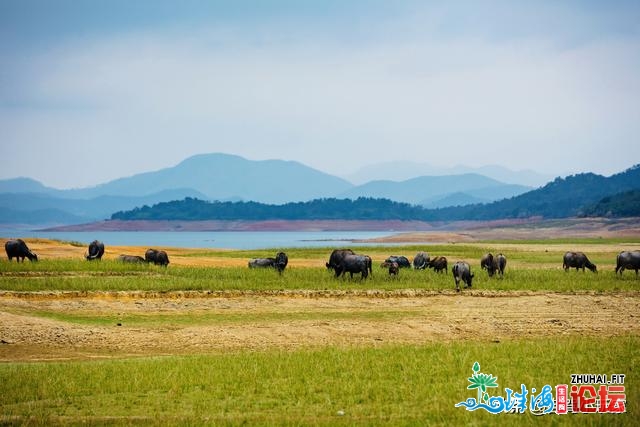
x=343, y=261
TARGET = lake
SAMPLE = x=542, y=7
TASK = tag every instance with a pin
x=206, y=239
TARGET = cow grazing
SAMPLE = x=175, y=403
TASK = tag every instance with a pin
x=393, y=269
x=488, y=263
x=500, y=262
x=462, y=272
x=629, y=260
x=577, y=260
x=262, y=262
x=438, y=264
x=420, y=261
x=402, y=261
x=132, y=259
x=351, y=263
x=96, y=250
x=281, y=261
x=19, y=250
x=156, y=257
x=336, y=257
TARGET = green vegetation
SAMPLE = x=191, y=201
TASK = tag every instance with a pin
x=530, y=266
x=191, y=209
x=111, y=276
x=624, y=204
x=414, y=385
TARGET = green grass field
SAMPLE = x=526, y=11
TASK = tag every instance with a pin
x=386, y=384
x=399, y=385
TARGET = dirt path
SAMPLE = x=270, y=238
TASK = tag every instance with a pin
x=71, y=326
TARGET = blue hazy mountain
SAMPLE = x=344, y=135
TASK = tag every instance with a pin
x=228, y=177
x=225, y=177
x=405, y=170
x=425, y=190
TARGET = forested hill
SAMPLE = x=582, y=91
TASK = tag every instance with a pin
x=191, y=209
x=563, y=197
x=626, y=204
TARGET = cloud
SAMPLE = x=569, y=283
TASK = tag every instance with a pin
x=151, y=98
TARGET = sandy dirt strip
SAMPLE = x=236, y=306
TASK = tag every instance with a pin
x=59, y=326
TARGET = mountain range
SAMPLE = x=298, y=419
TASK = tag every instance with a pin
x=576, y=195
x=225, y=177
x=404, y=170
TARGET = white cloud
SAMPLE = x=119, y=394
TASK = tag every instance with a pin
x=151, y=99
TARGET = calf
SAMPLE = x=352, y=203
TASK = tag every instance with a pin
x=438, y=264
x=401, y=260
x=393, y=269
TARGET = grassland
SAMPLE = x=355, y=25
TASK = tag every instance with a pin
x=209, y=341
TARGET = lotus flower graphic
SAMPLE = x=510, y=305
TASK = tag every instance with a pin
x=481, y=382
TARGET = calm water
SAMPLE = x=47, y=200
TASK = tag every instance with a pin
x=204, y=239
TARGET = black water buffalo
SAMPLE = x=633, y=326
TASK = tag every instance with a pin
x=420, y=261
x=336, y=257
x=438, y=264
x=96, y=250
x=133, y=259
x=462, y=271
x=500, y=262
x=577, y=260
x=351, y=263
x=488, y=263
x=156, y=257
x=19, y=250
x=262, y=262
x=393, y=269
x=281, y=261
x=629, y=260
x=402, y=261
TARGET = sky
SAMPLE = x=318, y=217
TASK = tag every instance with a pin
x=95, y=90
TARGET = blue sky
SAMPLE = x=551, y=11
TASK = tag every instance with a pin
x=94, y=90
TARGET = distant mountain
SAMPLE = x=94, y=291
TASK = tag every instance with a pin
x=561, y=198
x=405, y=170
x=209, y=177
x=426, y=189
x=23, y=185
x=38, y=217
x=229, y=177
x=453, y=199
x=43, y=209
